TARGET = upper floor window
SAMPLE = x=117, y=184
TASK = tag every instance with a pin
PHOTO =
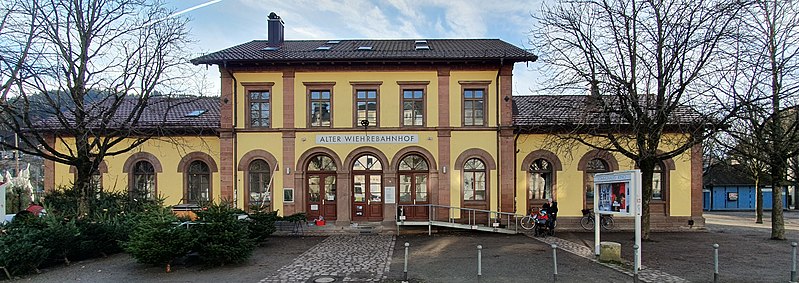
x=366, y=104
x=413, y=107
x=258, y=101
x=473, y=107
x=320, y=108
x=260, y=112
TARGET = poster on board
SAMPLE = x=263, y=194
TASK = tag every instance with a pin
x=615, y=192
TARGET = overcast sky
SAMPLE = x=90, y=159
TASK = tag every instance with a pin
x=227, y=23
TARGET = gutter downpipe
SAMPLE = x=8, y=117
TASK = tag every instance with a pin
x=233, y=132
x=499, y=132
x=515, y=157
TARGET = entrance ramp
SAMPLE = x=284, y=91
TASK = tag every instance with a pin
x=458, y=218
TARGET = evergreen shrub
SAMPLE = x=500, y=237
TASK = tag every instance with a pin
x=156, y=239
x=221, y=237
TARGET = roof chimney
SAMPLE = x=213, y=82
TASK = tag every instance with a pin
x=275, y=31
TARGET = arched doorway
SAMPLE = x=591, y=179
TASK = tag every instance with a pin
x=321, y=181
x=413, y=186
x=367, y=189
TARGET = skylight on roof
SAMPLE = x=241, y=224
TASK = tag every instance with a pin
x=364, y=48
x=422, y=47
x=323, y=48
x=196, y=113
x=333, y=41
x=271, y=48
x=422, y=41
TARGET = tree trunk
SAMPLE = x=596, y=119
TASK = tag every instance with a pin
x=759, y=202
x=777, y=173
x=83, y=173
x=647, y=168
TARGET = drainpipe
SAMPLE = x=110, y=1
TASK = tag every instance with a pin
x=515, y=157
x=499, y=131
x=235, y=144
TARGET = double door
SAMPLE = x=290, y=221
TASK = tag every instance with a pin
x=367, y=196
x=413, y=191
x=322, y=196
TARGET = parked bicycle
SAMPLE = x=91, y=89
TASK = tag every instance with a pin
x=605, y=220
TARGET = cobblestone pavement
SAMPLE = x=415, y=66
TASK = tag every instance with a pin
x=355, y=258
x=646, y=274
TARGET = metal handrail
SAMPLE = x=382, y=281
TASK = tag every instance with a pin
x=470, y=214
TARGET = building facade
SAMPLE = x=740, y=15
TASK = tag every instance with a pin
x=350, y=130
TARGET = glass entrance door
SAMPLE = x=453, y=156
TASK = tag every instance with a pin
x=322, y=196
x=320, y=183
x=413, y=190
x=367, y=189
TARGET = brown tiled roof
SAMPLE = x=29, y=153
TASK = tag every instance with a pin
x=161, y=113
x=347, y=50
x=574, y=110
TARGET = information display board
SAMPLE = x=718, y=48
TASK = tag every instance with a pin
x=615, y=192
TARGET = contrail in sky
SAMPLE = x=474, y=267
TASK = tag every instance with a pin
x=182, y=12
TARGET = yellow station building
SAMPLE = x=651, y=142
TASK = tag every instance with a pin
x=352, y=129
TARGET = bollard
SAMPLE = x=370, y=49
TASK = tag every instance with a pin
x=635, y=263
x=405, y=269
x=793, y=262
x=555, y=262
x=715, y=263
x=479, y=262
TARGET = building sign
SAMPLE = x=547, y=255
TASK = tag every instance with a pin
x=367, y=139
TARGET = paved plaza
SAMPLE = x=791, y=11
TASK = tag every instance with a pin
x=747, y=255
x=349, y=258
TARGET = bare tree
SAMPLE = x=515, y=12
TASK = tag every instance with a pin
x=83, y=72
x=644, y=62
x=752, y=161
x=766, y=74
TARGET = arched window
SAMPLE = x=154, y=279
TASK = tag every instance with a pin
x=413, y=171
x=540, y=184
x=198, y=178
x=593, y=166
x=259, y=183
x=657, y=182
x=143, y=180
x=474, y=180
x=321, y=163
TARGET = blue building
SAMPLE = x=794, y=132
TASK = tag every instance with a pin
x=730, y=187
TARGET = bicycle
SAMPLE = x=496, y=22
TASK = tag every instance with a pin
x=528, y=222
x=605, y=220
